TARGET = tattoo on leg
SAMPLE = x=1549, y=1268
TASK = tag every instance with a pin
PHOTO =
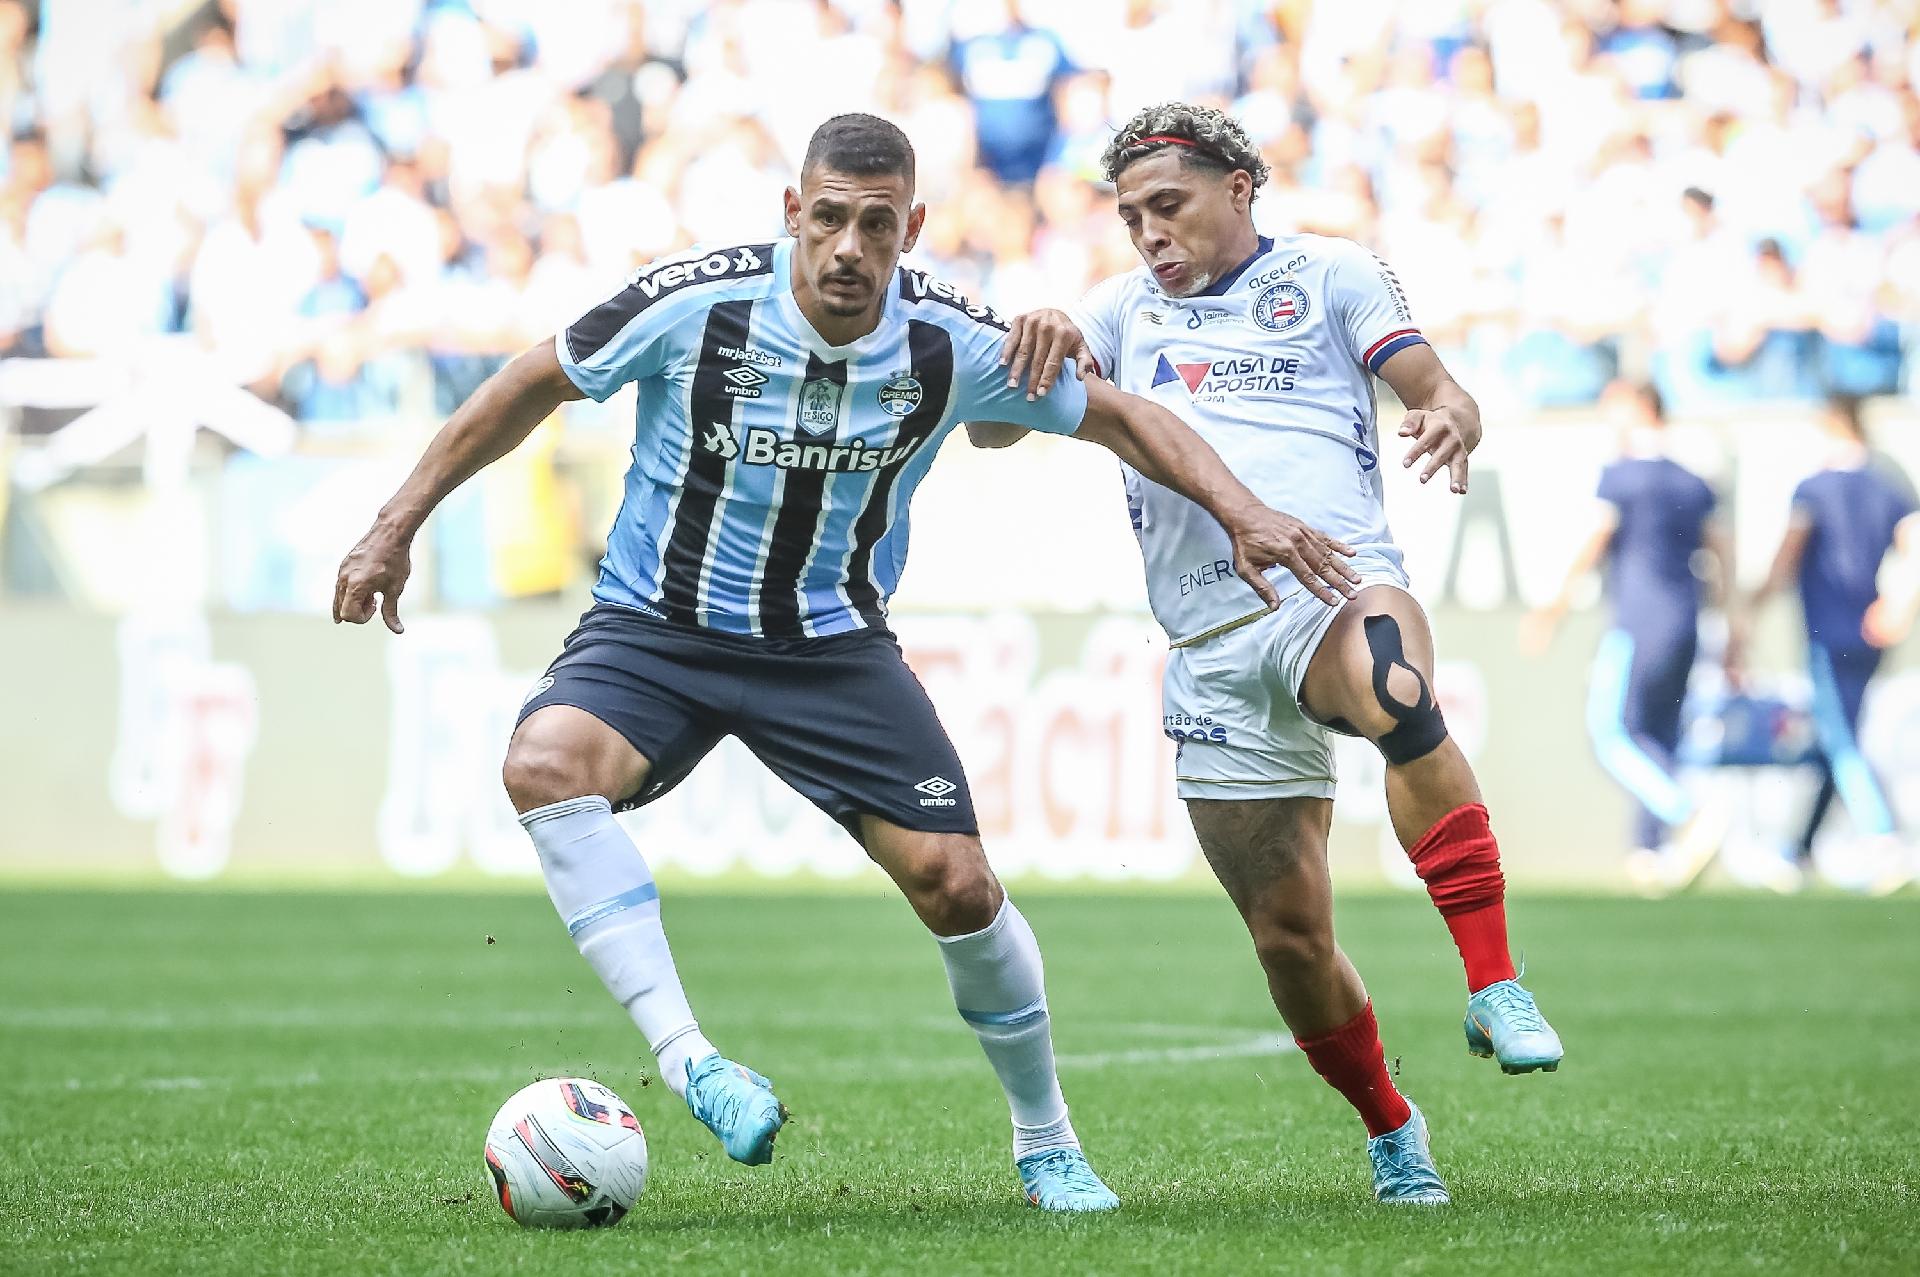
x=1249, y=845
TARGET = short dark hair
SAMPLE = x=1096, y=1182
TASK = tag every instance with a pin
x=1651, y=399
x=1846, y=407
x=1205, y=138
x=860, y=145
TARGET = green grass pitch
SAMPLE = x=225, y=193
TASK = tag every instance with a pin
x=230, y=1082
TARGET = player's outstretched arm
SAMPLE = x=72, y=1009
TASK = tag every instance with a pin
x=1038, y=346
x=1442, y=418
x=494, y=421
x=1166, y=450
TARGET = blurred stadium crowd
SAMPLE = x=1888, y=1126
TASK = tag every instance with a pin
x=359, y=207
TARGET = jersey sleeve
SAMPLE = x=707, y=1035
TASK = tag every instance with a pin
x=981, y=392
x=631, y=335
x=620, y=340
x=1099, y=316
x=1613, y=486
x=1371, y=307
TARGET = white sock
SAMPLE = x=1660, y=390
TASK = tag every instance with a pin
x=1000, y=990
x=602, y=887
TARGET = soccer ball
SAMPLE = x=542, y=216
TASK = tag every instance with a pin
x=567, y=1153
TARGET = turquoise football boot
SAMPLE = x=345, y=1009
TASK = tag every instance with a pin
x=1060, y=1179
x=1503, y=1023
x=1403, y=1169
x=738, y=1106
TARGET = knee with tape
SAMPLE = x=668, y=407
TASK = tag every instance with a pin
x=1418, y=728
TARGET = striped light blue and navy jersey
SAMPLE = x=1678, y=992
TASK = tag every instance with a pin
x=771, y=471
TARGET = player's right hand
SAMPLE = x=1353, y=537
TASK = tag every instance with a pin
x=379, y=564
x=1266, y=538
x=1037, y=344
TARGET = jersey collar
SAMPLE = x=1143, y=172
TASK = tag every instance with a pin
x=1219, y=286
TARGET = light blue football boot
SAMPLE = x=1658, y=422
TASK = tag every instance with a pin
x=737, y=1105
x=1403, y=1169
x=1503, y=1023
x=1059, y=1179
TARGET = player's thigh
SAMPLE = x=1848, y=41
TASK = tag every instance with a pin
x=1270, y=854
x=625, y=711
x=1373, y=666
x=562, y=751
x=846, y=724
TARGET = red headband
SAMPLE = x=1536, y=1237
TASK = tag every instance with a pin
x=1196, y=147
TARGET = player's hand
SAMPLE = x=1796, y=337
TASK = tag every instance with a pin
x=1444, y=438
x=1266, y=538
x=1733, y=657
x=1038, y=342
x=1885, y=625
x=1537, y=631
x=379, y=564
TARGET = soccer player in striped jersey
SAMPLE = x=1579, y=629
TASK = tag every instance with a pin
x=791, y=395
x=1268, y=348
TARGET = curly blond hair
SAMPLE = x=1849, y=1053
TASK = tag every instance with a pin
x=1212, y=139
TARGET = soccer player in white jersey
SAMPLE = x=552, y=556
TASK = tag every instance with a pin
x=1267, y=348
x=791, y=395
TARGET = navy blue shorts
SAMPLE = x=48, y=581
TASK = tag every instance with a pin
x=841, y=719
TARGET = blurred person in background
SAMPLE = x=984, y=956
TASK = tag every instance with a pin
x=1010, y=70
x=1538, y=131
x=1654, y=519
x=1849, y=519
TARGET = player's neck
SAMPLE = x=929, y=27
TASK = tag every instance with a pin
x=1241, y=248
x=834, y=330
x=1847, y=454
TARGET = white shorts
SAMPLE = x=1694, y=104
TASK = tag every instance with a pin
x=1232, y=703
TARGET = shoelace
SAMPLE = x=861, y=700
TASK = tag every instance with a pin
x=1397, y=1158
x=1072, y=1170
x=1518, y=1006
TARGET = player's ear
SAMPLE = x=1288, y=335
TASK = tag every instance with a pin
x=791, y=202
x=1240, y=189
x=916, y=219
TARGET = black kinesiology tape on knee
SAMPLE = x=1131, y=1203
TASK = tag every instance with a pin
x=1420, y=727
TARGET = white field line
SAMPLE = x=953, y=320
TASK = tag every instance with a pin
x=1234, y=1048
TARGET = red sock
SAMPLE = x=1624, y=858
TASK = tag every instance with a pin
x=1351, y=1060
x=1459, y=861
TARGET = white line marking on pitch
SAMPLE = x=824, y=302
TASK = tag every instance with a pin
x=1260, y=1046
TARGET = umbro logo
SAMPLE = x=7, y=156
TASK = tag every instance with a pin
x=744, y=381
x=937, y=789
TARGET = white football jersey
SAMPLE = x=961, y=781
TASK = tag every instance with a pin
x=1273, y=366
